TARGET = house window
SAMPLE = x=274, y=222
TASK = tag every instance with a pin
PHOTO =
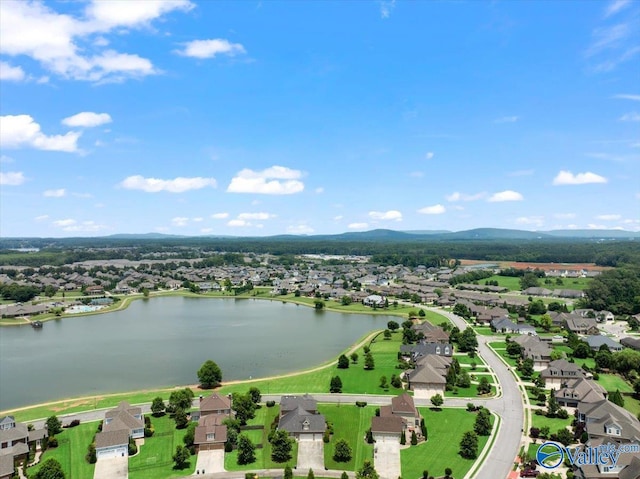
x=210, y=436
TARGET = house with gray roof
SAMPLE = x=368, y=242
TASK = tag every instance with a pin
x=423, y=348
x=300, y=418
x=7, y=468
x=535, y=349
x=595, y=342
x=633, y=343
x=15, y=438
x=574, y=392
x=559, y=372
x=429, y=376
x=581, y=325
x=505, y=325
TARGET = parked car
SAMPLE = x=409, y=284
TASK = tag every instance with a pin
x=529, y=473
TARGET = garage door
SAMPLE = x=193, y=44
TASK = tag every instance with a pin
x=109, y=453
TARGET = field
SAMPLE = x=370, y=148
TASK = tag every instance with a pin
x=554, y=423
x=613, y=382
x=445, y=429
x=544, y=266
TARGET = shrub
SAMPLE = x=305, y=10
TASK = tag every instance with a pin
x=326, y=436
x=534, y=432
x=563, y=414
x=471, y=407
x=53, y=442
x=148, y=432
x=361, y=403
x=74, y=423
x=91, y=454
x=270, y=403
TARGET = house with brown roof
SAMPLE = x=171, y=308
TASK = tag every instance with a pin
x=119, y=425
x=430, y=333
x=575, y=392
x=387, y=428
x=210, y=433
x=581, y=325
x=535, y=349
x=429, y=376
x=559, y=372
x=402, y=407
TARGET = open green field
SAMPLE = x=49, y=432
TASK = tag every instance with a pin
x=349, y=423
x=445, y=429
x=264, y=417
x=553, y=423
x=613, y=382
x=72, y=447
x=155, y=457
x=513, y=283
x=510, y=282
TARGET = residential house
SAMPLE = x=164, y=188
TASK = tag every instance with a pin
x=119, y=425
x=210, y=433
x=7, y=468
x=423, y=348
x=111, y=444
x=430, y=333
x=505, y=325
x=574, y=392
x=94, y=290
x=582, y=325
x=15, y=439
x=535, y=349
x=402, y=407
x=374, y=300
x=429, y=376
x=537, y=291
x=300, y=418
x=387, y=428
x=597, y=341
x=214, y=404
x=559, y=372
x=633, y=343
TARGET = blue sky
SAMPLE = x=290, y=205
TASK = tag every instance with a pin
x=260, y=118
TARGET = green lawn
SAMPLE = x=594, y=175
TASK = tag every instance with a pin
x=72, y=447
x=485, y=331
x=445, y=429
x=499, y=347
x=349, y=423
x=553, y=423
x=632, y=404
x=510, y=282
x=465, y=359
x=613, y=382
x=155, y=457
x=470, y=392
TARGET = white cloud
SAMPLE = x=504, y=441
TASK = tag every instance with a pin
x=391, y=215
x=631, y=116
x=84, y=227
x=568, y=178
x=210, y=48
x=177, y=185
x=386, y=7
x=564, y=216
x=66, y=45
x=10, y=73
x=17, y=131
x=615, y=6
x=537, y=221
x=179, y=221
x=238, y=223
x=432, y=210
x=300, y=229
x=59, y=193
x=220, y=216
x=87, y=119
x=206, y=230
x=255, y=216
x=507, y=119
x=64, y=223
x=612, y=217
x=41, y=218
x=277, y=180
x=197, y=219
x=339, y=217
x=319, y=190
x=429, y=155
x=357, y=226
x=12, y=178
x=627, y=97
x=457, y=196
x=507, y=195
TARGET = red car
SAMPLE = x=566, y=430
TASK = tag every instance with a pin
x=529, y=473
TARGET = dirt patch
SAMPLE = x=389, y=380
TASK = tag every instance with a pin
x=69, y=405
x=543, y=266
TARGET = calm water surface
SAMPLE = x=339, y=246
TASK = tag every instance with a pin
x=163, y=341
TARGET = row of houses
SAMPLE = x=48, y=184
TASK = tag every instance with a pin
x=15, y=442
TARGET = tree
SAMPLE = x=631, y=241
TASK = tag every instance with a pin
x=255, y=395
x=181, y=457
x=346, y=300
x=396, y=382
x=537, y=307
x=462, y=310
x=336, y=385
x=49, y=291
x=387, y=334
x=463, y=380
x=342, y=452
x=190, y=435
x=484, y=387
x=344, y=475
x=564, y=436
x=552, y=405
x=246, y=450
x=467, y=341
x=421, y=313
x=369, y=363
x=310, y=474
x=529, y=280
x=367, y=471
x=54, y=426
x=244, y=407
x=281, y=445
x=354, y=358
x=209, y=375
x=526, y=368
x=469, y=445
x=393, y=326
x=181, y=419
x=343, y=362
x=50, y=469
x=581, y=350
x=288, y=473
x=383, y=382
x=545, y=322
x=437, y=401
x=514, y=349
x=482, y=426
x=318, y=304
x=603, y=359
x=180, y=399
x=448, y=472
x=616, y=398
x=157, y=407
x=414, y=437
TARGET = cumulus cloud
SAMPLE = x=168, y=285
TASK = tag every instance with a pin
x=631, y=116
x=210, y=48
x=84, y=227
x=507, y=195
x=87, y=119
x=300, y=229
x=627, y=97
x=457, y=196
x=255, y=216
x=12, y=178
x=530, y=220
x=277, y=180
x=357, y=226
x=568, y=178
x=177, y=185
x=339, y=217
x=64, y=223
x=18, y=131
x=65, y=44
x=59, y=193
x=220, y=216
x=391, y=215
x=179, y=221
x=432, y=210
x=238, y=223
x=11, y=73
x=611, y=217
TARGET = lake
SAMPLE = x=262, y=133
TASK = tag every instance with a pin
x=162, y=342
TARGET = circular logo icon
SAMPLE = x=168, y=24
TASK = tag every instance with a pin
x=550, y=455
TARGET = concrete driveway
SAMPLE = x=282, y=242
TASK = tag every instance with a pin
x=311, y=456
x=386, y=459
x=210, y=461
x=112, y=468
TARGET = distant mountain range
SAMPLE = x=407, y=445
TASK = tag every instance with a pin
x=417, y=235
